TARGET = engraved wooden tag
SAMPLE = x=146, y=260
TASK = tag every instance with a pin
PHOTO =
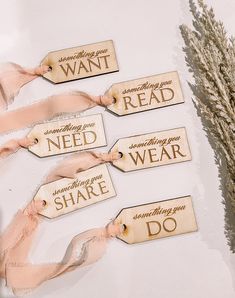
x=81, y=62
x=70, y=135
x=66, y=195
x=146, y=94
x=152, y=150
x=157, y=220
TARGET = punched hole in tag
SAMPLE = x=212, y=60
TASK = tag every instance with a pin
x=121, y=154
x=124, y=229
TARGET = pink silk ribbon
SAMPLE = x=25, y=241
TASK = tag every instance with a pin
x=79, y=162
x=71, y=102
x=23, y=276
x=12, y=146
x=46, y=109
x=13, y=77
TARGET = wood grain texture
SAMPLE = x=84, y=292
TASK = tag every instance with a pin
x=146, y=93
x=157, y=220
x=66, y=195
x=81, y=62
x=152, y=150
x=64, y=136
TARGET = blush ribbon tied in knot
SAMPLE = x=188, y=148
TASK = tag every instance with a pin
x=55, y=105
x=79, y=162
x=44, y=110
x=84, y=249
x=13, y=77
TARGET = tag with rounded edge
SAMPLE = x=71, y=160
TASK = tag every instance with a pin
x=66, y=195
x=81, y=62
x=157, y=220
x=66, y=136
x=152, y=150
x=146, y=93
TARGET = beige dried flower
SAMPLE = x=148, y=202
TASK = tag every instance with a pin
x=210, y=56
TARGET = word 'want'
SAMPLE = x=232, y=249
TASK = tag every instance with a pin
x=85, y=66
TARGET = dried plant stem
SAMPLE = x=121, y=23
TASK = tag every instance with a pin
x=210, y=56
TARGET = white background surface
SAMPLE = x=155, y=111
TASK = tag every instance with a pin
x=147, y=42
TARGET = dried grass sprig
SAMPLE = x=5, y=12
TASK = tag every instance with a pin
x=210, y=56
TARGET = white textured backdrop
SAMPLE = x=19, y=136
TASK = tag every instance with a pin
x=147, y=42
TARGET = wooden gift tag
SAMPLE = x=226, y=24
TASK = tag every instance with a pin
x=81, y=62
x=66, y=195
x=70, y=135
x=157, y=220
x=146, y=93
x=151, y=150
